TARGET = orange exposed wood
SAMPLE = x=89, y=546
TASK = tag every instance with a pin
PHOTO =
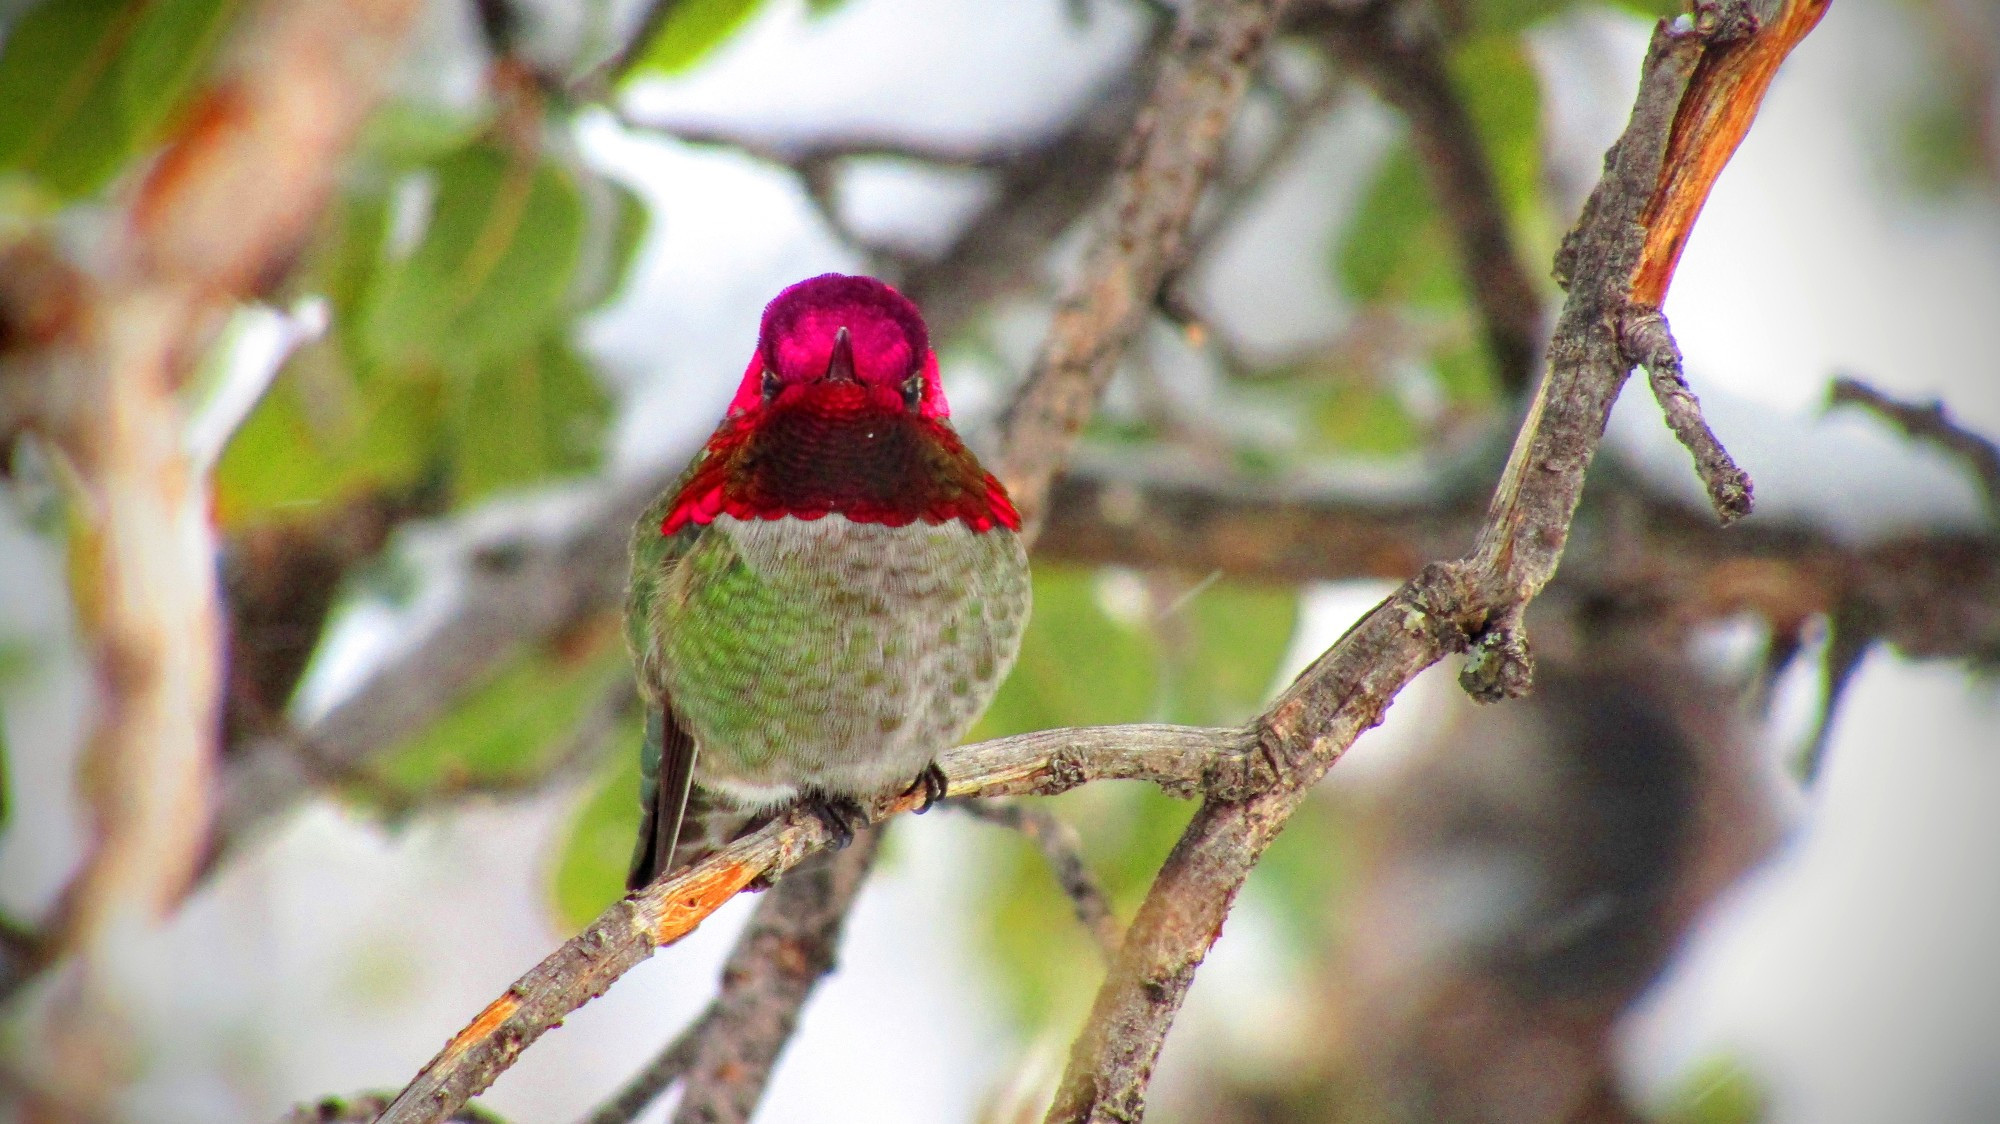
x=691, y=905
x=491, y=1019
x=1722, y=99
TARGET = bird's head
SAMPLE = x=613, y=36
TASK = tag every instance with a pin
x=841, y=413
x=836, y=341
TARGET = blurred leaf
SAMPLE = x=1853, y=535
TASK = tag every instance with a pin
x=83, y=83
x=169, y=50
x=320, y=437
x=1652, y=9
x=1396, y=246
x=489, y=275
x=1497, y=78
x=1465, y=376
x=1077, y=667
x=1394, y=249
x=63, y=119
x=819, y=9
x=346, y=258
x=691, y=30
x=1357, y=418
x=504, y=729
x=533, y=419
x=17, y=658
x=590, y=868
x=618, y=218
x=1239, y=635
x=1081, y=665
x=1304, y=873
x=1940, y=141
x=1508, y=16
x=405, y=134
x=1717, y=1091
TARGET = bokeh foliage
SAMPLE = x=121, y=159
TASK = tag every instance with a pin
x=463, y=251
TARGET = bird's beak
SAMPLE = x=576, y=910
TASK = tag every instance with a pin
x=840, y=366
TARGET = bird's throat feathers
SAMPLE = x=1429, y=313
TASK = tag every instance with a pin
x=840, y=449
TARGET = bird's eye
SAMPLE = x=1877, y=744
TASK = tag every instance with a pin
x=913, y=390
x=771, y=385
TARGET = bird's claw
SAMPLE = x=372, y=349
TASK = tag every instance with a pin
x=934, y=783
x=841, y=815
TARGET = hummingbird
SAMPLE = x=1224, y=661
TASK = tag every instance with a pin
x=831, y=592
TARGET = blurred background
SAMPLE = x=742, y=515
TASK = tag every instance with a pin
x=350, y=452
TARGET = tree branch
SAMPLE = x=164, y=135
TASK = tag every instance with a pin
x=216, y=219
x=1930, y=423
x=1166, y=167
x=788, y=947
x=1061, y=847
x=1182, y=760
x=667, y=1067
x=1400, y=50
x=1476, y=601
x=1650, y=343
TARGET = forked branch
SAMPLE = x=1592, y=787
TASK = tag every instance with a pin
x=1250, y=779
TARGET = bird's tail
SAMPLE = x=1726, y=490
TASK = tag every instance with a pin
x=680, y=823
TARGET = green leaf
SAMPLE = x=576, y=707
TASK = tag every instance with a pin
x=1940, y=140
x=691, y=30
x=618, y=220
x=532, y=419
x=490, y=273
x=590, y=867
x=1358, y=418
x=83, y=83
x=1465, y=376
x=1210, y=657
x=1497, y=78
x=406, y=135
x=319, y=436
x=1077, y=667
x=169, y=50
x=1304, y=875
x=17, y=659
x=1236, y=634
x=505, y=729
x=1717, y=1091
x=62, y=118
x=1652, y=9
x=1394, y=248
x=1508, y=16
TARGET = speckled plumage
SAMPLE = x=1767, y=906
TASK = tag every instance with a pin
x=832, y=592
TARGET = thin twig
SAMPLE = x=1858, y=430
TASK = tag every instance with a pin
x=1182, y=760
x=1063, y=850
x=667, y=1067
x=1397, y=47
x=1931, y=423
x=1649, y=343
x=1476, y=601
x=787, y=949
x=1850, y=633
x=1216, y=47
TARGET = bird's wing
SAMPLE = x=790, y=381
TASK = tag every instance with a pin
x=668, y=752
x=666, y=769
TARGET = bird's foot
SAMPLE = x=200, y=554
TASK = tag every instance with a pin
x=842, y=815
x=934, y=783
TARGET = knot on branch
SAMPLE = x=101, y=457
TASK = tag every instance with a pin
x=1726, y=21
x=1066, y=771
x=1262, y=766
x=1500, y=665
